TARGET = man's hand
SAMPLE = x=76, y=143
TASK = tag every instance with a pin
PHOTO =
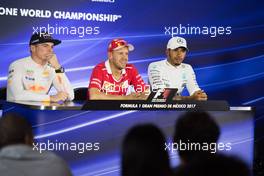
x=96, y=94
x=132, y=96
x=143, y=96
x=199, y=95
x=60, y=96
x=54, y=61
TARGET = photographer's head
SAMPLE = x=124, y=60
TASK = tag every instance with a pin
x=196, y=128
x=143, y=152
x=15, y=129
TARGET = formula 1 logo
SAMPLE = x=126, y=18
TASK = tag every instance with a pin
x=162, y=95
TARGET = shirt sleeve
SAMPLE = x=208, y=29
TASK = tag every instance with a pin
x=15, y=87
x=155, y=77
x=192, y=84
x=96, y=78
x=62, y=83
x=137, y=80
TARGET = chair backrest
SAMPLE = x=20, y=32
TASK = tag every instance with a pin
x=3, y=93
x=80, y=93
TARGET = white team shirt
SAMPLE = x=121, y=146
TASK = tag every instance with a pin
x=162, y=74
x=29, y=81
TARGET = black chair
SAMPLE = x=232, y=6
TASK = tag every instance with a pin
x=3, y=93
x=2, y=97
x=80, y=93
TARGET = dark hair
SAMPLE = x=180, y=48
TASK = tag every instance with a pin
x=195, y=127
x=143, y=152
x=14, y=129
x=216, y=165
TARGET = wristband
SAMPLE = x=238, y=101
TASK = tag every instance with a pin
x=60, y=70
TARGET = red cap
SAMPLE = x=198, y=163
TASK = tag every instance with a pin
x=119, y=43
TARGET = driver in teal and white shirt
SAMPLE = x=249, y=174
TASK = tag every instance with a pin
x=172, y=73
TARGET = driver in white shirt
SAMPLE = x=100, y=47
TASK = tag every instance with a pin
x=31, y=78
x=172, y=73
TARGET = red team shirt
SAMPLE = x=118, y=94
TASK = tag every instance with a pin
x=103, y=80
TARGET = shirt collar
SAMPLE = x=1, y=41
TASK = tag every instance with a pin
x=15, y=151
x=36, y=64
x=169, y=64
x=108, y=68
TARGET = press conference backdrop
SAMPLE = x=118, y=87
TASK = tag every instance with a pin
x=225, y=38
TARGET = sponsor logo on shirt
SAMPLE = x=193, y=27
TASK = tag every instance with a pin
x=29, y=72
x=37, y=88
x=10, y=75
x=11, y=71
x=45, y=73
x=115, y=88
x=184, y=76
x=29, y=78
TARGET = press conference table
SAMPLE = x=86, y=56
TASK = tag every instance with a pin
x=210, y=105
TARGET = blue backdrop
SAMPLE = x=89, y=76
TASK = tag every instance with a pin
x=225, y=38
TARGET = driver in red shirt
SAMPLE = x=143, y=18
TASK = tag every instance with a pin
x=112, y=79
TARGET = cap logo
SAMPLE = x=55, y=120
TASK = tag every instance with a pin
x=46, y=36
x=180, y=41
x=34, y=41
x=120, y=43
x=117, y=43
x=43, y=38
